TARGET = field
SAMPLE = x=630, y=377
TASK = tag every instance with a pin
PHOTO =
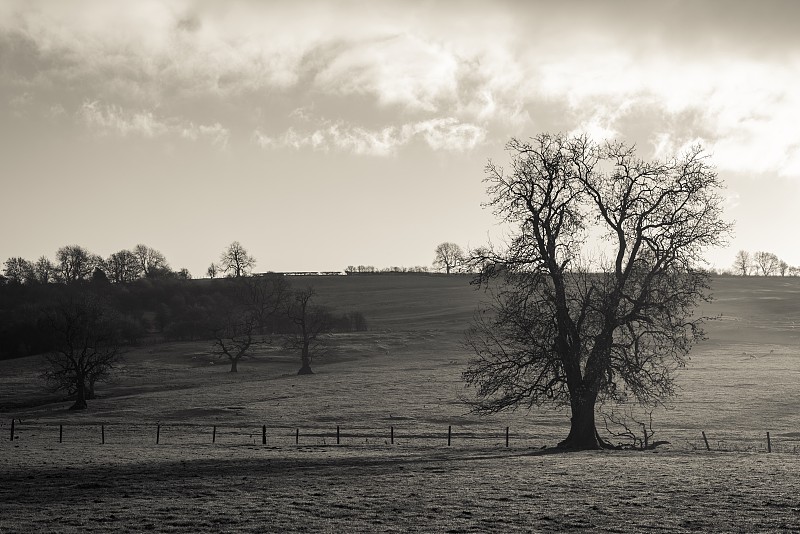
x=401, y=379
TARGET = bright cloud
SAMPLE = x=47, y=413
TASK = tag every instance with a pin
x=114, y=120
x=439, y=134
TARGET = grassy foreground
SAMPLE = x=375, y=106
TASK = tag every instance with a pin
x=405, y=373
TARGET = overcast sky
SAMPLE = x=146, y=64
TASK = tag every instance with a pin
x=327, y=134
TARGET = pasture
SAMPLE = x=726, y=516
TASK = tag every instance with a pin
x=404, y=374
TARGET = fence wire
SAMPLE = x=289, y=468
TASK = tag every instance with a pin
x=363, y=434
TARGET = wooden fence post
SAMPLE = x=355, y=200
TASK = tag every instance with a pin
x=12, y=429
x=449, y=431
x=337, y=434
x=704, y=439
x=506, y=436
x=102, y=434
x=264, y=434
x=297, y=437
x=158, y=433
x=60, y=433
x=644, y=430
x=391, y=435
x=769, y=443
x=214, y=434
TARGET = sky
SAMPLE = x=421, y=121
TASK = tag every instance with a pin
x=328, y=134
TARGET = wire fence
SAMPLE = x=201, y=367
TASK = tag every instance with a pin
x=362, y=434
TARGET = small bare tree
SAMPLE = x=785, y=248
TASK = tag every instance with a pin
x=766, y=262
x=87, y=346
x=249, y=320
x=448, y=256
x=75, y=264
x=19, y=270
x=44, y=271
x=309, y=323
x=124, y=266
x=741, y=264
x=236, y=261
x=152, y=263
x=235, y=337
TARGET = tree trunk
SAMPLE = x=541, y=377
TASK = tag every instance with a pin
x=234, y=365
x=80, y=396
x=582, y=432
x=305, y=368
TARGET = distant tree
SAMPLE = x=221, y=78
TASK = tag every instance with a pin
x=569, y=328
x=309, y=324
x=44, y=271
x=87, y=345
x=248, y=319
x=152, y=263
x=212, y=271
x=235, y=338
x=183, y=274
x=448, y=256
x=19, y=271
x=74, y=264
x=741, y=264
x=766, y=262
x=783, y=267
x=794, y=271
x=123, y=267
x=235, y=260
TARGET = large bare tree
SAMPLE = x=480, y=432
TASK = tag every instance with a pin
x=87, y=345
x=236, y=261
x=570, y=327
x=448, y=256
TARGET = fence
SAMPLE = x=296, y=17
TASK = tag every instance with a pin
x=281, y=435
x=273, y=435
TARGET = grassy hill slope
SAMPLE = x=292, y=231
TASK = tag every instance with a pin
x=404, y=376
x=407, y=368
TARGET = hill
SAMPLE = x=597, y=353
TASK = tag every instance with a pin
x=396, y=392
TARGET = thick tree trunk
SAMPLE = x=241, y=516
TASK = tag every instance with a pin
x=80, y=397
x=305, y=368
x=582, y=432
x=234, y=365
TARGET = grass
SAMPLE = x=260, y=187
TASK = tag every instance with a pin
x=405, y=373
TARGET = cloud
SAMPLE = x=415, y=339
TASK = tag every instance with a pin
x=114, y=120
x=403, y=70
x=438, y=134
x=724, y=73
